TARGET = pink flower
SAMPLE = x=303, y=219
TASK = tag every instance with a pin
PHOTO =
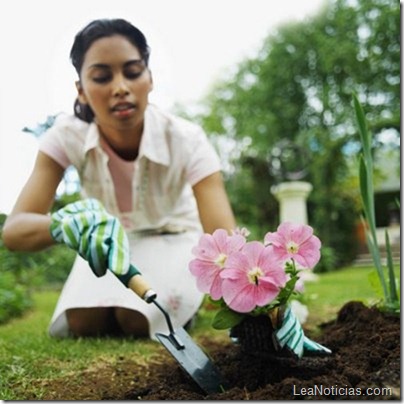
x=211, y=255
x=251, y=277
x=295, y=241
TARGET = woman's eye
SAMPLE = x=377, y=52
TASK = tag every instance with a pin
x=101, y=79
x=134, y=74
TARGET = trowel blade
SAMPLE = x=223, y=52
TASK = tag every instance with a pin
x=194, y=361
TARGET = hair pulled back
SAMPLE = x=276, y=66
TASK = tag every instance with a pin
x=95, y=30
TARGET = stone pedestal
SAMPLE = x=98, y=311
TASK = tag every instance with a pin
x=292, y=198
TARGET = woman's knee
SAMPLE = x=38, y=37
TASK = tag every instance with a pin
x=132, y=322
x=91, y=321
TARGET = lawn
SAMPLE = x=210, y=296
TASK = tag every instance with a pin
x=333, y=289
x=27, y=353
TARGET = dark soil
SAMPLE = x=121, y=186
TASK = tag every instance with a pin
x=365, y=364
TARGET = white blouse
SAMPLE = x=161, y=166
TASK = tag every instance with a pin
x=174, y=155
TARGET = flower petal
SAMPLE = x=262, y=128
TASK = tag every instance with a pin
x=205, y=273
x=241, y=298
x=252, y=251
x=216, y=287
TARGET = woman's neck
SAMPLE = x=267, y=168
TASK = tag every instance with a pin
x=124, y=143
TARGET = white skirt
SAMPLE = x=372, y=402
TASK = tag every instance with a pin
x=163, y=261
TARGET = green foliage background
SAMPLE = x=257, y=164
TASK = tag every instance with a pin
x=21, y=273
x=299, y=88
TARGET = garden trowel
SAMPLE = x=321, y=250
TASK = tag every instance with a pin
x=181, y=346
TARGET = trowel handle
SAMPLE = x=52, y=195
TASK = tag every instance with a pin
x=138, y=284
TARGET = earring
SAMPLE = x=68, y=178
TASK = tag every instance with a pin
x=77, y=107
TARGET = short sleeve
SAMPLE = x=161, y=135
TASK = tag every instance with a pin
x=51, y=143
x=203, y=159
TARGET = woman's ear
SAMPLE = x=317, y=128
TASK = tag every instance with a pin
x=80, y=93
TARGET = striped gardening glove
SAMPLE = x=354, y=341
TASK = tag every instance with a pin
x=291, y=334
x=86, y=227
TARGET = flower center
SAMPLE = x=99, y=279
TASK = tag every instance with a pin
x=292, y=247
x=254, y=274
x=220, y=260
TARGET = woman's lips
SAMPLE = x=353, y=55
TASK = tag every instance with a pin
x=123, y=110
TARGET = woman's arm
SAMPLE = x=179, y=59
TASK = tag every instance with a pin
x=213, y=204
x=27, y=226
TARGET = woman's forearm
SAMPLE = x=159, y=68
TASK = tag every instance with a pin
x=27, y=232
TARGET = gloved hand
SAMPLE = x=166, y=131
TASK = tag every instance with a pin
x=98, y=237
x=291, y=334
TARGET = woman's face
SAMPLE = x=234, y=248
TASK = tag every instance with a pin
x=115, y=83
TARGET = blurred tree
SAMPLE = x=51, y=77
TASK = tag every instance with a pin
x=299, y=87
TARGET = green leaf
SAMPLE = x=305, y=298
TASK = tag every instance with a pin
x=366, y=167
x=375, y=252
x=226, y=318
x=387, y=287
x=285, y=293
x=363, y=182
x=390, y=268
x=366, y=189
x=363, y=131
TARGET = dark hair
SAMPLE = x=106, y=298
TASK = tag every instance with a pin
x=98, y=29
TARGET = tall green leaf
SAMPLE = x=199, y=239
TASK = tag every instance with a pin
x=375, y=252
x=390, y=267
x=367, y=195
x=363, y=132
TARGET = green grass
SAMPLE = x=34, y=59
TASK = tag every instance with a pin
x=333, y=289
x=27, y=353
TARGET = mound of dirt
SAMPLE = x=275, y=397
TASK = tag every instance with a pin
x=365, y=364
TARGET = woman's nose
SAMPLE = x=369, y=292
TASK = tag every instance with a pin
x=120, y=88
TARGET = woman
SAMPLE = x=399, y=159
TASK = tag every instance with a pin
x=153, y=171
